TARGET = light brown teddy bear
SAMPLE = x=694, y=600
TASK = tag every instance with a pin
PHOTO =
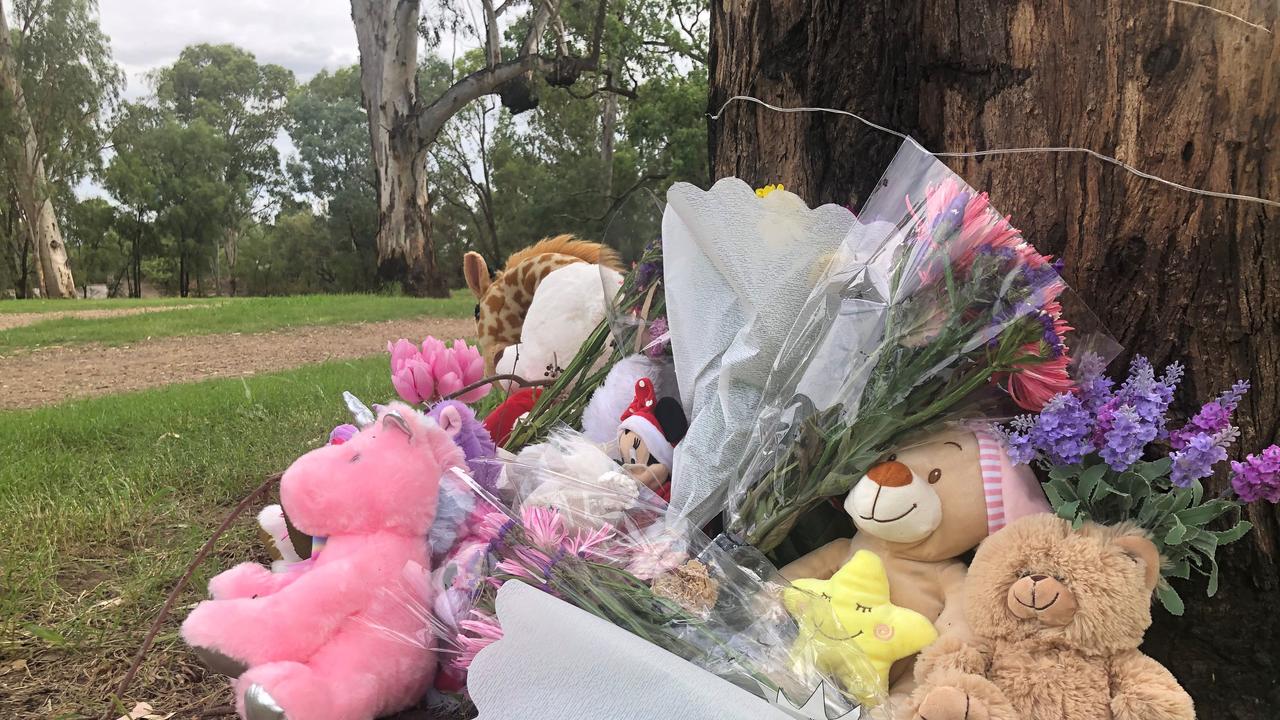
x=1057, y=616
x=920, y=510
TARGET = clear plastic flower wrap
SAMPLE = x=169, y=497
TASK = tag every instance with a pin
x=934, y=308
x=739, y=265
x=572, y=523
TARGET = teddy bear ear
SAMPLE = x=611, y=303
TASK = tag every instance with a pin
x=1143, y=551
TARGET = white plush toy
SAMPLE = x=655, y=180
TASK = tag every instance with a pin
x=568, y=306
x=276, y=529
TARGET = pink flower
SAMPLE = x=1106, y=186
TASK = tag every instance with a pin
x=471, y=366
x=543, y=526
x=478, y=634
x=435, y=371
x=410, y=373
x=1033, y=385
x=583, y=544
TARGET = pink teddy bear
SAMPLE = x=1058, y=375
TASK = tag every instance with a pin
x=303, y=643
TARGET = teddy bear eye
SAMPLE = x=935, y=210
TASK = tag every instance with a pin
x=892, y=457
x=354, y=458
x=862, y=608
x=935, y=475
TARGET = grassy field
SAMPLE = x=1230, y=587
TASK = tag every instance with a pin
x=74, y=305
x=225, y=315
x=102, y=502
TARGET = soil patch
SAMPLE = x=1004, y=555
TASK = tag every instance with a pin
x=52, y=375
x=9, y=321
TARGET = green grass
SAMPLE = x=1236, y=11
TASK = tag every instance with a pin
x=43, y=306
x=228, y=315
x=103, y=501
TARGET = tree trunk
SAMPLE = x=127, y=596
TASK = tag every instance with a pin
x=231, y=249
x=387, y=33
x=608, y=126
x=1178, y=91
x=30, y=181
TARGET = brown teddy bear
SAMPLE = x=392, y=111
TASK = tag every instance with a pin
x=920, y=509
x=1057, y=616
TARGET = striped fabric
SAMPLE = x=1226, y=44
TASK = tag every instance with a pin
x=992, y=462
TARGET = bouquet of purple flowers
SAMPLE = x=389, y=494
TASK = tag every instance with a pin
x=1111, y=458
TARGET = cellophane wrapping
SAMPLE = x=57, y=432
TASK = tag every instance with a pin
x=933, y=308
x=570, y=521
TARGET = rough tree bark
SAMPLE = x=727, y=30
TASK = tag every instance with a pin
x=1180, y=91
x=30, y=182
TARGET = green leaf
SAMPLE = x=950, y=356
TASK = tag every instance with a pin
x=1089, y=480
x=1179, y=569
x=43, y=633
x=1205, y=513
x=1176, y=533
x=1106, y=489
x=1170, y=599
x=1241, y=529
x=1064, y=472
x=1181, y=499
x=1154, y=469
x=1213, y=578
x=1067, y=511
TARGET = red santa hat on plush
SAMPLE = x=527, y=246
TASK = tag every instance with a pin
x=641, y=418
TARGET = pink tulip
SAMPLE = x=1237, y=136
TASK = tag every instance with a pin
x=410, y=375
x=471, y=366
x=433, y=371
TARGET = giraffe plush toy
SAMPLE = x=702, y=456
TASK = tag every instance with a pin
x=504, y=300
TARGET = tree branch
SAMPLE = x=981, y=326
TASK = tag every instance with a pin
x=493, y=42
x=537, y=26
x=558, y=71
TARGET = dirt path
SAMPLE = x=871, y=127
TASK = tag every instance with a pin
x=44, y=377
x=9, y=321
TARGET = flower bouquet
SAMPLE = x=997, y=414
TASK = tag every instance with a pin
x=1111, y=458
x=603, y=544
x=933, y=301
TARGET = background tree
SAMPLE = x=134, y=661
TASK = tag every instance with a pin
x=333, y=170
x=1176, y=90
x=552, y=42
x=56, y=81
x=224, y=88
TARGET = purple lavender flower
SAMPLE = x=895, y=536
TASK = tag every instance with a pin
x=1146, y=400
x=649, y=272
x=660, y=338
x=1258, y=477
x=1094, y=386
x=1125, y=439
x=1213, y=416
x=1062, y=430
x=1017, y=439
x=1196, y=458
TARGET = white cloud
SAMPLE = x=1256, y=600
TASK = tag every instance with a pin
x=302, y=36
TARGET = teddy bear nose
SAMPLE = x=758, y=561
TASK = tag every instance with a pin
x=1039, y=578
x=890, y=474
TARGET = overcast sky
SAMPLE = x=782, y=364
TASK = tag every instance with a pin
x=302, y=35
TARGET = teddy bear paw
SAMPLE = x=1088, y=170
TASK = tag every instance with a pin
x=949, y=703
x=259, y=705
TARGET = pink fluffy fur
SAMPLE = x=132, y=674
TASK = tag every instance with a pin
x=305, y=634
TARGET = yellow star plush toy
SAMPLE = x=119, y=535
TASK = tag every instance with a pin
x=849, y=628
